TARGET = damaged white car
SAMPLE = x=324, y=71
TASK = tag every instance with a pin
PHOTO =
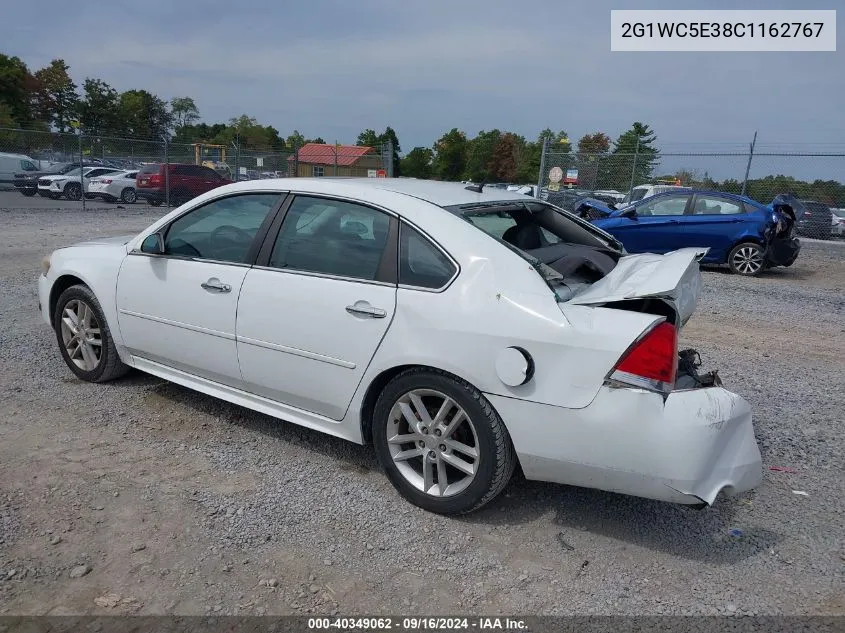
x=460, y=331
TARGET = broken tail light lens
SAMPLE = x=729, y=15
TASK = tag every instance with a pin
x=651, y=362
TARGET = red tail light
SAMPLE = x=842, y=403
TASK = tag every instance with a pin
x=652, y=362
x=106, y=181
x=156, y=179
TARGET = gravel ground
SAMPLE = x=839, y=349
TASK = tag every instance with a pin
x=142, y=497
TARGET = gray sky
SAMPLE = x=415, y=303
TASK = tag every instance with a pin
x=332, y=68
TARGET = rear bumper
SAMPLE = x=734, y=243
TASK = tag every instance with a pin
x=150, y=193
x=687, y=450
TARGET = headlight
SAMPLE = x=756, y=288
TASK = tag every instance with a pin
x=45, y=265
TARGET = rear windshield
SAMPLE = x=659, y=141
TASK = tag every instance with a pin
x=150, y=169
x=816, y=206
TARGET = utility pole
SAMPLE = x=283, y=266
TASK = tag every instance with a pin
x=748, y=166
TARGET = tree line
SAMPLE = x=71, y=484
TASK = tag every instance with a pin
x=48, y=99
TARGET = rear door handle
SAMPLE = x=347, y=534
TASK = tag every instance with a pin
x=365, y=309
x=215, y=285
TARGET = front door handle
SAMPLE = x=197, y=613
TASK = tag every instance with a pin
x=215, y=285
x=365, y=309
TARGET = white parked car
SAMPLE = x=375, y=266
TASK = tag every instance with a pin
x=837, y=223
x=410, y=314
x=113, y=187
x=69, y=185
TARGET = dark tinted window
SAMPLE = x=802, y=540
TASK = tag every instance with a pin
x=333, y=237
x=150, y=169
x=421, y=263
x=207, y=173
x=222, y=230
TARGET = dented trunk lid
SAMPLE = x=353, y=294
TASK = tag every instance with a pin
x=674, y=278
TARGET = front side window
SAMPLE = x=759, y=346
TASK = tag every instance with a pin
x=28, y=165
x=669, y=205
x=710, y=205
x=421, y=263
x=332, y=237
x=222, y=230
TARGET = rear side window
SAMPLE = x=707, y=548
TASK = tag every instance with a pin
x=421, y=263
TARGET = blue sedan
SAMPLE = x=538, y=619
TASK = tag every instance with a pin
x=740, y=232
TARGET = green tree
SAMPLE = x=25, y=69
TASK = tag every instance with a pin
x=55, y=99
x=389, y=136
x=184, y=112
x=16, y=86
x=368, y=138
x=99, y=108
x=295, y=140
x=505, y=158
x=634, y=146
x=198, y=133
x=450, y=155
x=479, y=153
x=592, y=151
x=417, y=163
x=251, y=134
x=143, y=115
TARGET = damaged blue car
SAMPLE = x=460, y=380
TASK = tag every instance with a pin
x=741, y=233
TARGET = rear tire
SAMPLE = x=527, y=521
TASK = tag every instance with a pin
x=747, y=259
x=29, y=192
x=154, y=203
x=128, y=195
x=84, y=338
x=416, y=451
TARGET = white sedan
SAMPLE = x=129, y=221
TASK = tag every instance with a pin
x=119, y=185
x=459, y=330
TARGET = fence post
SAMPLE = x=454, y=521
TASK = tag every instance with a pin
x=296, y=159
x=748, y=166
x=543, y=147
x=166, y=175
x=237, y=157
x=335, y=156
x=389, y=158
x=81, y=171
x=634, y=168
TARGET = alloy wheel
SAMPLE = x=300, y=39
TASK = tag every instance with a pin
x=433, y=442
x=81, y=335
x=748, y=260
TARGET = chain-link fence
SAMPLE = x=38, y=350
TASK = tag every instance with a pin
x=566, y=177
x=23, y=151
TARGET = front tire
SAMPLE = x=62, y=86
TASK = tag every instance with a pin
x=747, y=259
x=73, y=191
x=441, y=443
x=29, y=192
x=84, y=338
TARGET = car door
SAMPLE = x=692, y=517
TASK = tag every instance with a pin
x=656, y=226
x=177, y=308
x=314, y=309
x=717, y=222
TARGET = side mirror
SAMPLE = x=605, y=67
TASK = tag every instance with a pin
x=153, y=244
x=629, y=213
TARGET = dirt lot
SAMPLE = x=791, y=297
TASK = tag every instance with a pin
x=143, y=497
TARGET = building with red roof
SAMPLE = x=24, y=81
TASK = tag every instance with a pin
x=317, y=159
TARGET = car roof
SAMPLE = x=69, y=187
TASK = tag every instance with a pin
x=709, y=192
x=443, y=194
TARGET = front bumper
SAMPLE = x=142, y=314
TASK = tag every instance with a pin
x=44, y=299
x=783, y=252
x=686, y=450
